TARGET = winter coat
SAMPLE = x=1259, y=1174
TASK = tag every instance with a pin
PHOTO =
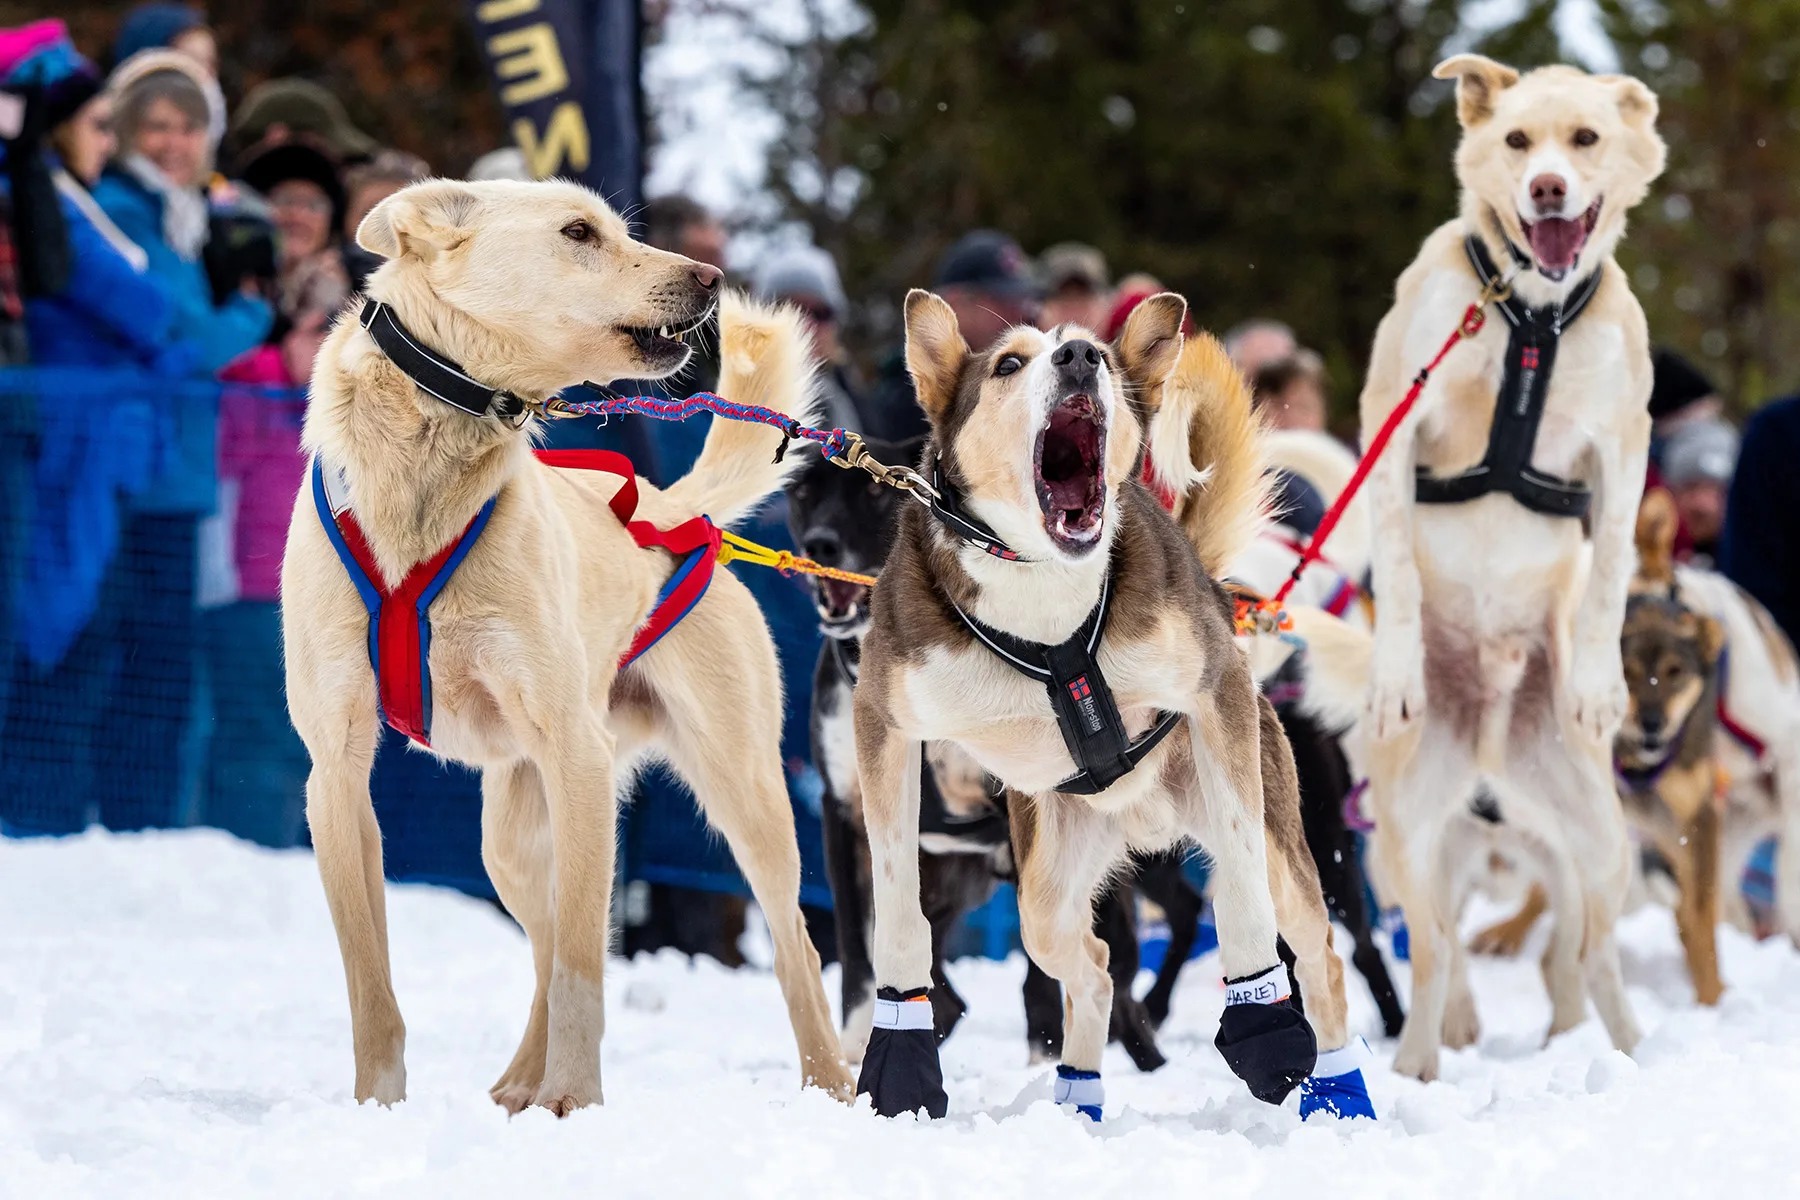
x=261, y=466
x=185, y=480
x=1758, y=548
x=97, y=342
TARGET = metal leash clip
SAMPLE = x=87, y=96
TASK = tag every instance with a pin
x=905, y=479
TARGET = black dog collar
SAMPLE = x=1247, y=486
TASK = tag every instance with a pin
x=435, y=373
x=1086, y=713
x=947, y=507
x=1524, y=385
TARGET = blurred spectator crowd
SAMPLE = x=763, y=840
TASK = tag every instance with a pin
x=168, y=270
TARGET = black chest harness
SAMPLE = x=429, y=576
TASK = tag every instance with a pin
x=1086, y=713
x=1530, y=357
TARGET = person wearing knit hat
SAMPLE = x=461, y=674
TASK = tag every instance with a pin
x=805, y=277
x=1698, y=462
x=290, y=107
x=159, y=26
x=306, y=199
x=1679, y=393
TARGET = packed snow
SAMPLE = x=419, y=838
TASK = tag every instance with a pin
x=173, y=1022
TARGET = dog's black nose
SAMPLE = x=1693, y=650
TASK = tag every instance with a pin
x=1077, y=362
x=823, y=546
x=1652, y=725
x=1548, y=193
x=707, y=275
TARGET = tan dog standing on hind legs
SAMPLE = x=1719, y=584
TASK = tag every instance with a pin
x=1055, y=623
x=528, y=289
x=1496, y=683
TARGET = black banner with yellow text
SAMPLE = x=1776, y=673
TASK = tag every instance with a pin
x=567, y=74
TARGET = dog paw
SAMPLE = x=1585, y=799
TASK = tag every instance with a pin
x=1420, y=1064
x=515, y=1098
x=1504, y=939
x=1397, y=687
x=563, y=1099
x=1462, y=1027
x=1597, y=696
x=386, y=1087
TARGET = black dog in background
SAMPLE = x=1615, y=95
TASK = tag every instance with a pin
x=842, y=518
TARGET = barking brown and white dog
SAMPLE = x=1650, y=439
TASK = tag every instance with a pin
x=1055, y=623
x=1503, y=514
x=528, y=289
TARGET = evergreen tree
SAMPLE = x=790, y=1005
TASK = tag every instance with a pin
x=1714, y=254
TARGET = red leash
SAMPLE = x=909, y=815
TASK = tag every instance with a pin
x=1471, y=324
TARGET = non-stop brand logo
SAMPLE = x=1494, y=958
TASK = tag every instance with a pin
x=1084, y=703
x=1528, y=369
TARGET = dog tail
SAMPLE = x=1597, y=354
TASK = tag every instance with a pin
x=763, y=360
x=1336, y=667
x=1327, y=464
x=1208, y=444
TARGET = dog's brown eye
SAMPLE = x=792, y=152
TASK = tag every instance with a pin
x=1008, y=364
x=1585, y=137
x=580, y=231
x=1517, y=140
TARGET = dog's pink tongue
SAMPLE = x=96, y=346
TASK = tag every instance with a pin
x=1555, y=242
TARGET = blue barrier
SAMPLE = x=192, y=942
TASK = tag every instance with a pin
x=160, y=706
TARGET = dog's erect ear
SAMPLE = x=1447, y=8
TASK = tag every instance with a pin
x=1656, y=524
x=934, y=351
x=422, y=220
x=1711, y=639
x=1637, y=103
x=1479, y=82
x=1151, y=341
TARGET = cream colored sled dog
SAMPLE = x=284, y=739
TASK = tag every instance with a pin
x=1496, y=683
x=533, y=288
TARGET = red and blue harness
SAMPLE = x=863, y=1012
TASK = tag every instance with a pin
x=400, y=616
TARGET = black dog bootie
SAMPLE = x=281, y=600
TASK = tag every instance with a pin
x=1266, y=1041
x=900, y=1070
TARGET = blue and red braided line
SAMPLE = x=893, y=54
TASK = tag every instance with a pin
x=832, y=441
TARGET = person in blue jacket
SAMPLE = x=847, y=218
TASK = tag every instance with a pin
x=101, y=342
x=145, y=631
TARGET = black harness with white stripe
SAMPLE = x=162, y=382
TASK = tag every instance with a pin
x=1519, y=408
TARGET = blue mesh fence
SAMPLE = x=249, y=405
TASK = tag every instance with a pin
x=141, y=527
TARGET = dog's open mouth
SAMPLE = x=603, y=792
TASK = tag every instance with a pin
x=842, y=606
x=1557, y=242
x=1071, y=451
x=665, y=343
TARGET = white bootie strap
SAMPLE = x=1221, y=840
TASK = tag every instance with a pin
x=903, y=1014
x=1084, y=1091
x=1353, y=1055
x=1270, y=987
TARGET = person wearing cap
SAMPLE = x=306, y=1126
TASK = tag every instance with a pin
x=306, y=201
x=175, y=27
x=286, y=108
x=807, y=278
x=1076, y=286
x=1698, y=462
x=1680, y=393
x=1758, y=548
x=989, y=283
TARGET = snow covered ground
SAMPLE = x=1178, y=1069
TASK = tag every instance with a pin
x=173, y=1023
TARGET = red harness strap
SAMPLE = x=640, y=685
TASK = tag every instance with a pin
x=399, y=617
